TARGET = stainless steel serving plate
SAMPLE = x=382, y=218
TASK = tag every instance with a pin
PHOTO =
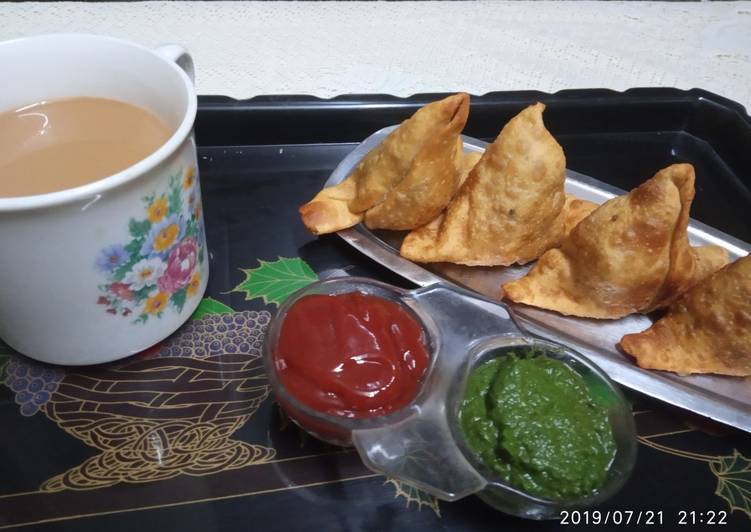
x=725, y=399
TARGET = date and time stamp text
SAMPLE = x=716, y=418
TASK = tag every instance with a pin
x=688, y=518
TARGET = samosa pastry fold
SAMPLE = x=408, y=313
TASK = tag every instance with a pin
x=631, y=255
x=469, y=161
x=328, y=211
x=427, y=188
x=421, y=201
x=414, y=173
x=708, y=330
x=510, y=208
x=574, y=211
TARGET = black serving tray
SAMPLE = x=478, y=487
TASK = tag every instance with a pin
x=621, y=138
x=259, y=160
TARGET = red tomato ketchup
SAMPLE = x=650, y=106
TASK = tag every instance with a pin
x=353, y=355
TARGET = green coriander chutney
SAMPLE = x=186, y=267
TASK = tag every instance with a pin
x=533, y=422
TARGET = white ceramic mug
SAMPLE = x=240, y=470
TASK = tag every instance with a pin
x=102, y=271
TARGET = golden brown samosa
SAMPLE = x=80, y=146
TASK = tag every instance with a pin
x=429, y=185
x=405, y=181
x=511, y=207
x=630, y=255
x=708, y=330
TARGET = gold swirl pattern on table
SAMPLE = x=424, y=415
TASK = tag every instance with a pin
x=193, y=450
x=172, y=411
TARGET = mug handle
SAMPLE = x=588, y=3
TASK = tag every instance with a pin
x=179, y=55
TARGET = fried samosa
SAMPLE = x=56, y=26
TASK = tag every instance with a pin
x=425, y=191
x=511, y=207
x=631, y=255
x=708, y=330
x=404, y=182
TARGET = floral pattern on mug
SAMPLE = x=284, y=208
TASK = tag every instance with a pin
x=158, y=267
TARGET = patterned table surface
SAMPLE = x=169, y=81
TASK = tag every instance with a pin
x=185, y=436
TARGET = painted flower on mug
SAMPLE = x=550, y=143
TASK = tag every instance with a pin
x=180, y=266
x=158, y=209
x=156, y=303
x=158, y=268
x=121, y=290
x=111, y=257
x=194, y=284
x=189, y=177
x=163, y=236
x=144, y=273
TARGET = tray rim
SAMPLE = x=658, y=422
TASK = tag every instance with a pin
x=208, y=102
x=348, y=118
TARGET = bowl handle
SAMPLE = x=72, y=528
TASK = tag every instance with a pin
x=421, y=451
x=421, y=447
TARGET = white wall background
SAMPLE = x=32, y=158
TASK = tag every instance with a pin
x=246, y=48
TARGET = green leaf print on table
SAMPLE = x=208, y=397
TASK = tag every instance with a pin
x=210, y=305
x=734, y=481
x=733, y=471
x=275, y=281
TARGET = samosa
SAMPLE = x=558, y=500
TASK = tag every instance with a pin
x=708, y=330
x=510, y=209
x=404, y=182
x=631, y=255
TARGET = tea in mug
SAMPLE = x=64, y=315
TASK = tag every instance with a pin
x=60, y=144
